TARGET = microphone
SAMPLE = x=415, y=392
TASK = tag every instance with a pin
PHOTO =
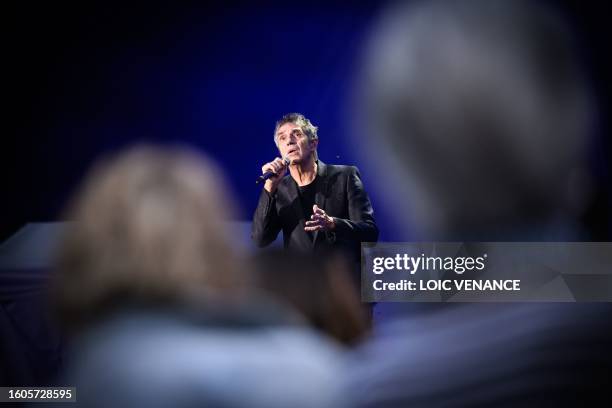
x=269, y=174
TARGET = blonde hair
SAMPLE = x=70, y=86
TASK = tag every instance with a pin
x=148, y=226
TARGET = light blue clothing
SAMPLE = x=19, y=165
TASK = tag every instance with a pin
x=147, y=359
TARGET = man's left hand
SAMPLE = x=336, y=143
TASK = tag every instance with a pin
x=319, y=221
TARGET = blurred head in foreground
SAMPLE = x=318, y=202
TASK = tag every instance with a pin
x=481, y=112
x=148, y=243
x=320, y=288
x=148, y=228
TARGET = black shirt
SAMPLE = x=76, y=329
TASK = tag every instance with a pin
x=307, y=199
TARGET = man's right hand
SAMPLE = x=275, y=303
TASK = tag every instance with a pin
x=277, y=166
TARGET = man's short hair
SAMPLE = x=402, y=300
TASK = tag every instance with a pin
x=304, y=123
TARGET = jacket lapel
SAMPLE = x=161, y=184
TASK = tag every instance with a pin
x=321, y=192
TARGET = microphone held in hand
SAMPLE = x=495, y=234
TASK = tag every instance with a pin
x=269, y=174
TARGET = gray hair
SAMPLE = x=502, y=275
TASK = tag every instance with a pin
x=481, y=110
x=305, y=124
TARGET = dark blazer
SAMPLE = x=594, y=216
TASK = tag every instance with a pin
x=339, y=192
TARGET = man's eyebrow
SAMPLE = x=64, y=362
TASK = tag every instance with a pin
x=291, y=131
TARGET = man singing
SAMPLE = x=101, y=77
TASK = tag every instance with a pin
x=318, y=206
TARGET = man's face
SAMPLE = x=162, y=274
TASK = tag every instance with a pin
x=293, y=143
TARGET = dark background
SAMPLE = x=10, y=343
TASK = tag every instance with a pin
x=86, y=80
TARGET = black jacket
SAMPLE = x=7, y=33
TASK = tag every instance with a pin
x=339, y=192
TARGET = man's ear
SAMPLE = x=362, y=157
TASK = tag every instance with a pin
x=314, y=143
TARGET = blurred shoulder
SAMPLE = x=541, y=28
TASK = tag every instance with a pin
x=273, y=365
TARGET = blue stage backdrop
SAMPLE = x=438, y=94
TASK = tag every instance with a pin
x=88, y=80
